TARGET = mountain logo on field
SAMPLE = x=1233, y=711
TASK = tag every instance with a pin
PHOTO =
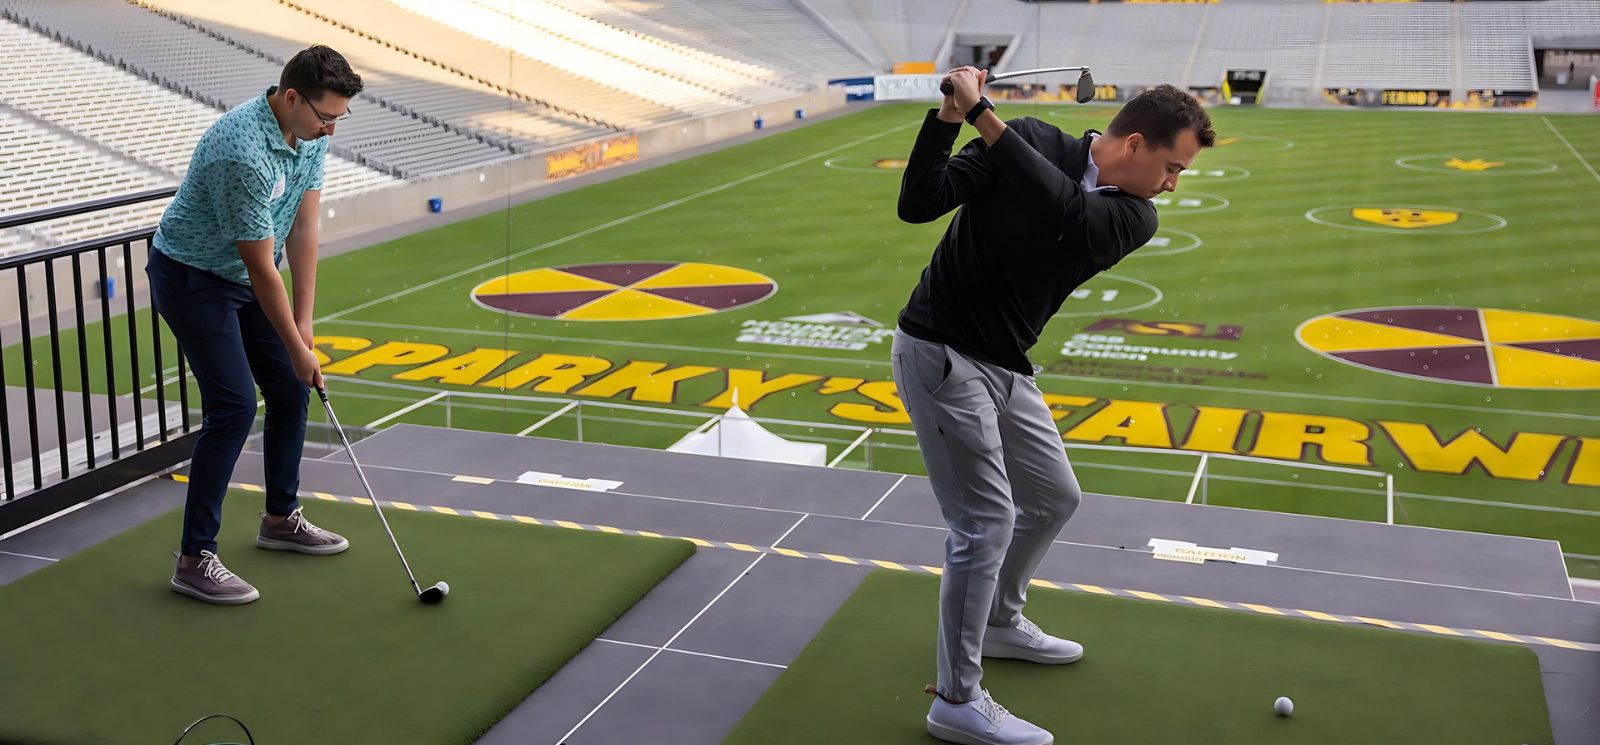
x=844, y=331
x=845, y=318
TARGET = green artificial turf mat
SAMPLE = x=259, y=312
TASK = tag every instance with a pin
x=1156, y=673
x=96, y=649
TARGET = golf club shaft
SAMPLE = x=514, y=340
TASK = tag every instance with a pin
x=370, y=495
x=946, y=88
x=1020, y=73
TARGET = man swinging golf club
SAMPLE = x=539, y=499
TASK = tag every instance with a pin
x=1038, y=212
x=252, y=189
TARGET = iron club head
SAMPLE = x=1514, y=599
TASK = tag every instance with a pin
x=434, y=595
x=1085, y=87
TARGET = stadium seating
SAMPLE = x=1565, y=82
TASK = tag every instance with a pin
x=45, y=167
x=92, y=130
x=1305, y=46
x=775, y=32
x=504, y=23
x=400, y=79
x=1282, y=39
x=572, y=20
x=1365, y=47
x=515, y=75
x=225, y=74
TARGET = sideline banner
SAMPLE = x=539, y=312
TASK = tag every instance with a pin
x=855, y=89
x=590, y=156
x=907, y=88
x=1431, y=98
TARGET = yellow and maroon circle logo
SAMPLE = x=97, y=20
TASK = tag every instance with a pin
x=634, y=291
x=1476, y=346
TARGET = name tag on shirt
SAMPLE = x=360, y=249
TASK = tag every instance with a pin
x=279, y=188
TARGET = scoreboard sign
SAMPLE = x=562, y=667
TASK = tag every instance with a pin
x=1244, y=87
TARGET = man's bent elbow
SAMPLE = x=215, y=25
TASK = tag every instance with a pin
x=915, y=214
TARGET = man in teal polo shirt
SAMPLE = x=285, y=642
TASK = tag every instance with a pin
x=251, y=194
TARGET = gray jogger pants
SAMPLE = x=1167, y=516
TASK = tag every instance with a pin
x=1004, y=485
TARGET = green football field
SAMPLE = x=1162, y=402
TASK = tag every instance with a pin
x=1405, y=294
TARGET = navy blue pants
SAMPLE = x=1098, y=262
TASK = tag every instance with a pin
x=232, y=349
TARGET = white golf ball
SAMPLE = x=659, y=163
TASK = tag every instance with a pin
x=1283, y=706
x=445, y=587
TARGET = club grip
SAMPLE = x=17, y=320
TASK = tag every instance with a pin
x=946, y=87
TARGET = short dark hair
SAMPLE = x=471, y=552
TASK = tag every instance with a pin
x=318, y=69
x=1160, y=114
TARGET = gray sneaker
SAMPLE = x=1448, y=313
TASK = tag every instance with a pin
x=296, y=533
x=212, y=582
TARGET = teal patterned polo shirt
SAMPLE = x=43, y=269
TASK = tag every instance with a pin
x=244, y=184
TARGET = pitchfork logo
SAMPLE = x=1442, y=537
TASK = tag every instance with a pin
x=1401, y=217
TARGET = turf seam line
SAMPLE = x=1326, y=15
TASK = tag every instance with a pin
x=29, y=556
x=763, y=551
x=666, y=646
x=886, y=494
x=696, y=654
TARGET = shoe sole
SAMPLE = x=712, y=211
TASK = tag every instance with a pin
x=183, y=588
x=1012, y=653
x=273, y=544
x=942, y=732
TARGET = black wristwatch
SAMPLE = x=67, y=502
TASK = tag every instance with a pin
x=978, y=108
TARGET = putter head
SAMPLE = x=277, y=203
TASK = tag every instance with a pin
x=435, y=595
x=1085, y=86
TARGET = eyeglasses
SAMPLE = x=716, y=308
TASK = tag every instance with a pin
x=324, y=118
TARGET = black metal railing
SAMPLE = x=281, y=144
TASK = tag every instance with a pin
x=100, y=466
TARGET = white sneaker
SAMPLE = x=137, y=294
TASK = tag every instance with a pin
x=1028, y=642
x=982, y=722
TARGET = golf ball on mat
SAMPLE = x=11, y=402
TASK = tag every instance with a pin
x=1283, y=706
x=445, y=588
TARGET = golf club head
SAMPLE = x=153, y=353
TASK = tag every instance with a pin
x=434, y=595
x=1085, y=87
